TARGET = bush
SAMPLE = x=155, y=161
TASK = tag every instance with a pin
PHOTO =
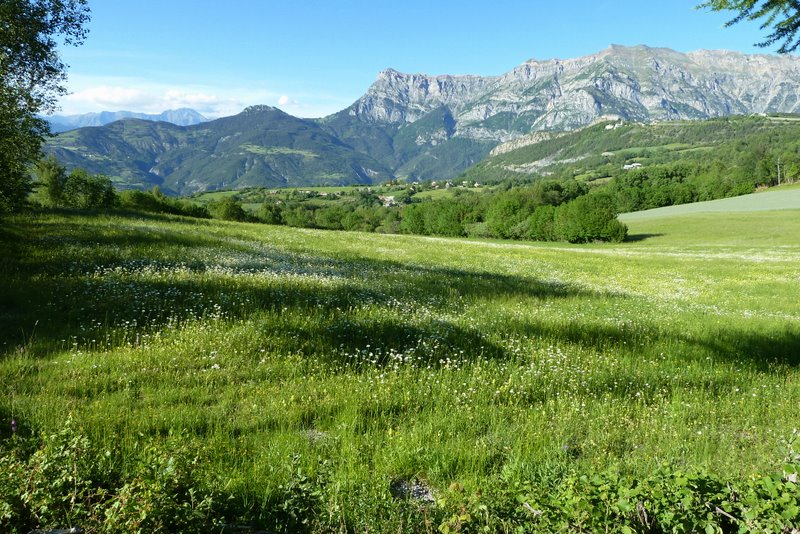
x=61, y=481
x=541, y=225
x=53, y=487
x=53, y=176
x=299, y=217
x=413, y=219
x=86, y=191
x=228, y=209
x=390, y=223
x=477, y=229
x=445, y=218
x=504, y=214
x=160, y=496
x=270, y=213
x=588, y=218
x=362, y=219
x=329, y=218
x=670, y=500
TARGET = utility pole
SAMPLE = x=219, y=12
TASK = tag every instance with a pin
x=779, y=170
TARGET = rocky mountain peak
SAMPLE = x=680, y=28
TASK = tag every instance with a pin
x=635, y=82
x=261, y=108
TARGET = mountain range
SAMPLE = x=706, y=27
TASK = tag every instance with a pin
x=181, y=117
x=417, y=127
x=262, y=146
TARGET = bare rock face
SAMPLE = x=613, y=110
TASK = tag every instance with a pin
x=635, y=83
x=433, y=127
x=397, y=97
x=525, y=140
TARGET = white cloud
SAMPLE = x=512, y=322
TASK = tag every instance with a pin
x=149, y=100
x=186, y=99
x=94, y=94
x=113, y=97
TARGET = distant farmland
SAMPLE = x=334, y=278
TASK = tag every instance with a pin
x=783, y=198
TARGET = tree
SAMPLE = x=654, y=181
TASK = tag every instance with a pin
x=85, y=191
x=228, y=209
x=53, y=176
x=446, y=218
x=589, y=218
x=413, y=219
x=540, y=224
x=32, y=78
x=329, y=217
x=506, y=212
x=270, y=213
x=782, y=16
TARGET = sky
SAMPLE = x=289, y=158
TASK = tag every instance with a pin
x=312, y=58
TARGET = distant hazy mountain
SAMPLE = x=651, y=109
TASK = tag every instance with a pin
x=180, y=117
x=262, y=146
x=416, y=126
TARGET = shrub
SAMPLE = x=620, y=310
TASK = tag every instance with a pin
x=161, y=496
x=299, y=217
x=504, y=214
x=413, y=219
x=228, y=209
x=270, y=213
x=445, y=219
x=53, y=177
x=53, y=487
x=61, y=481
x=541, y=224
x=588, y=218
x=329, y=218
x=85, y=191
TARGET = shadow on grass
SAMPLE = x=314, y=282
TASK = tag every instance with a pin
x=67, y=282
x=766, y=351
x=67, y=230
x=50, y=297
x=635, y=238
x=760, y=350
x=388, y=341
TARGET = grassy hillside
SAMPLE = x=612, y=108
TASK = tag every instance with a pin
x=126, y=151
x=310, y=376
x=751, y=145
x=261, y=146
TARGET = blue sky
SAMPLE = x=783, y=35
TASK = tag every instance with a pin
x=315, y=57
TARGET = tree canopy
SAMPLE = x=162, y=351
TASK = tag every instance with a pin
x=32, y=78
x=781, y=16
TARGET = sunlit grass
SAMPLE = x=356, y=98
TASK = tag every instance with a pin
x=406, y=357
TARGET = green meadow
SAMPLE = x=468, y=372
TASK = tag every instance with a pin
x=334, y=381
x=785, y=197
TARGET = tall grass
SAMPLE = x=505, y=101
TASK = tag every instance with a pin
x=369, y=359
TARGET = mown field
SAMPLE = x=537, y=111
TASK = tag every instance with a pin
x=785, y=197
x=314, y=379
